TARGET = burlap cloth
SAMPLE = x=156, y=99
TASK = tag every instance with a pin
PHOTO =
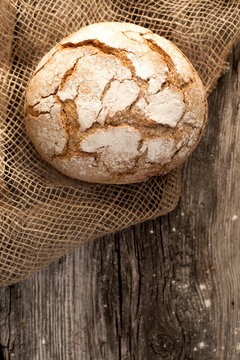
x=44, y=214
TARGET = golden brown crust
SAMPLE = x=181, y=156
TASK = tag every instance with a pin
x=115, y=103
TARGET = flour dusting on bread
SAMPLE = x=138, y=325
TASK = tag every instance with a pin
x=115, y=103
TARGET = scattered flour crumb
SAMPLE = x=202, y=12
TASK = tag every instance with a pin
x=151, y=231
x=207, y=303
x=202, y=287
x=105, y=305
x=154, y=275
x=235, y=217
x=173, y=229
x=201, y=345
x=195, y=349
x=182, y=213
x=43, y=341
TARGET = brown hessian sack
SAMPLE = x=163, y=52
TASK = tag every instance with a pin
x=43, y=213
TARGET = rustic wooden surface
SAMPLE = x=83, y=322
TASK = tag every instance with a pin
x=165, y=289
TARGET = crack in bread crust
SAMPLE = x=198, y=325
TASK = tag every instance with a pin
x=58, y=48
x=173, y=76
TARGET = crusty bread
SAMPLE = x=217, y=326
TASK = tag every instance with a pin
x=115, y=103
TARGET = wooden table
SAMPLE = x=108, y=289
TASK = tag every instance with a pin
x=165, y=289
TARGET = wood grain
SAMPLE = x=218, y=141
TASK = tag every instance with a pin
x=165, y=289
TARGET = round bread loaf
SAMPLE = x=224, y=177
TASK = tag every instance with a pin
x=115, y=103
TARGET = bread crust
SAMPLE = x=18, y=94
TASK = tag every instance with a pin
x=115, y=103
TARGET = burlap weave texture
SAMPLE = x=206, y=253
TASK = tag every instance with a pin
x=43, y=213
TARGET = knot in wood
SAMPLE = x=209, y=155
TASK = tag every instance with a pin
x=162, y=346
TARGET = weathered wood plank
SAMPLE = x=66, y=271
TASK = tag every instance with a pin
x=165, y=289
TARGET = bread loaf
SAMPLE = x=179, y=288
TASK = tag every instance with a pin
x=115, y=103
